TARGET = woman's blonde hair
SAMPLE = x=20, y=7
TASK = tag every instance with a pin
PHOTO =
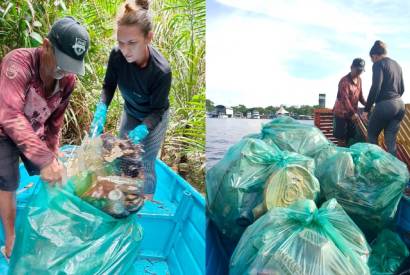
x=135, y=13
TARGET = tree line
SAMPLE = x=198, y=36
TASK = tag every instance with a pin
x=294, y=110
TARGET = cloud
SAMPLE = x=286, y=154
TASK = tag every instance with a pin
x=287, y=53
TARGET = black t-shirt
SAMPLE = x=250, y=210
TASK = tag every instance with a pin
x=387, y=82
x=145, y=90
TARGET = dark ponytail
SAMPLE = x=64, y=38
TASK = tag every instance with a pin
x=379, y=48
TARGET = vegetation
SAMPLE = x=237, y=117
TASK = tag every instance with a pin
x=270, y=110
x=210, y=105
x=179, y=35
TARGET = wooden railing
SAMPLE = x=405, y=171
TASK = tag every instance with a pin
x=324, y=121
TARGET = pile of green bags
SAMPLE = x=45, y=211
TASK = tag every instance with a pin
x=62, y=234
x=237, y=185
x=367, y=181
x=302, y=239
x=266, y=188
x=290, y=135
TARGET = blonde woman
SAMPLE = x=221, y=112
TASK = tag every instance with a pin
x=143, y=77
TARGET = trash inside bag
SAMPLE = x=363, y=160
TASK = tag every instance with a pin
x=289, y=184
x=302, y=239
x=107, y=172
x=236, y=184
x=62, y=234
x=366, y=181
x=291, y=135
x=388, y=252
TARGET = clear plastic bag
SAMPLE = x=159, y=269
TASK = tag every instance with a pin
x=107, y=172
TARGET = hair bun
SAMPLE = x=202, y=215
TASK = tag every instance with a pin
x=128, y=8
x=143, y=4
x=379, y=43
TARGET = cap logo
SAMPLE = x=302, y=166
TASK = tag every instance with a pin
x=79, y=46
x=11, y=71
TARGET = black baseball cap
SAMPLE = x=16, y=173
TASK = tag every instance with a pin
x=358, y=63
x=70, y=41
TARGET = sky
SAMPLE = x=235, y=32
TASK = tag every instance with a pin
x=274, y=52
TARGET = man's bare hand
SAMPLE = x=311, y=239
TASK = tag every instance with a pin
x=52, y=173
x=355, y=117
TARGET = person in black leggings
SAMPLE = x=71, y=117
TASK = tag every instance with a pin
x=386, y=91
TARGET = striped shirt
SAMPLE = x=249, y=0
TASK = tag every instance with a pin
x=27, y=116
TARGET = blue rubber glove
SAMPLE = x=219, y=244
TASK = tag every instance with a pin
x=100, y=115
x=139, y=133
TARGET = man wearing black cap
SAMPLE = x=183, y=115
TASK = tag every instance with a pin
x=35, y=88
x=348, y=96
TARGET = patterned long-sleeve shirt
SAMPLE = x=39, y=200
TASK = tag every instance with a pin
x=28, y=117
x=348, y=96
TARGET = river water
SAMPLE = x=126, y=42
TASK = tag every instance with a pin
x=223, y=133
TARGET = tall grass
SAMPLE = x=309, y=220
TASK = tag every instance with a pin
x=179, y=35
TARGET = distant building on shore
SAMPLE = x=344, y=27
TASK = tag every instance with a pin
x=253, y=114
x=282, y=112
x=222, y=111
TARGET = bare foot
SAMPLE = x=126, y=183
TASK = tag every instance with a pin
x=149, y=196
x=9, y=245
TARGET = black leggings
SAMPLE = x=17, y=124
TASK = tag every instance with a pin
x=386, y=116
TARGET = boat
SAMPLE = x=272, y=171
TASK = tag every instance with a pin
x=255, y=115
x=174, y=226
x=304, y=117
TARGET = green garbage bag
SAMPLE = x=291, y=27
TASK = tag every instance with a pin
x=366, y=181
x=326, y=153
x=62, y=234
x=235, y=185
x=290, y=135
x=302, y=239
x=388, y=252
